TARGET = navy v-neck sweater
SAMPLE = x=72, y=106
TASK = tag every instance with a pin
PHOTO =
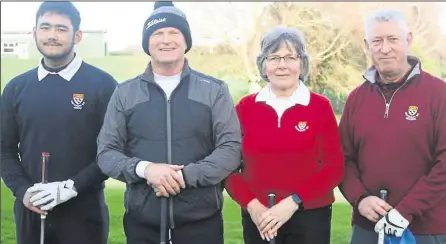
x=56, y=116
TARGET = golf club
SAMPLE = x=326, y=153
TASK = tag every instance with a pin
x=383, y=195
x=163, y=224
x=45, y=160
x=272, y=202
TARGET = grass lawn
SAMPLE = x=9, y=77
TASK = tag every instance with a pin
x=114, y=194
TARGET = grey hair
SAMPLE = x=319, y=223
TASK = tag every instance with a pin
x=385, y=15
x=293, y=38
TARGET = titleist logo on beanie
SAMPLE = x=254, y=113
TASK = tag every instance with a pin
x=165, y=14
x=154, y=22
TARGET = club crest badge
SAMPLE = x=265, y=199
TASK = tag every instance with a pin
x=78, y=101
x=412, y=113
x=301, y=126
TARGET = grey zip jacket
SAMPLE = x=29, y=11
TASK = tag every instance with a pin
x=196, y=127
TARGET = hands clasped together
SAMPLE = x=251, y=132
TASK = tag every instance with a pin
x=385, y=216
x=269, y=220
x=43, y=197
x=166, y=180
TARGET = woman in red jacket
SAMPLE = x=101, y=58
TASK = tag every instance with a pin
x=291, y=148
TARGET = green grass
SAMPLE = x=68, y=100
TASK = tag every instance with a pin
x=114, y=196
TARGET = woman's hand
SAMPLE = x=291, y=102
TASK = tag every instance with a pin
x=277, y=216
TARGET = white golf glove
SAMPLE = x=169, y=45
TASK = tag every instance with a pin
x=49, y=195
x=393, y=224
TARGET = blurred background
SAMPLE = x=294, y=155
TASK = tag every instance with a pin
x=226, y=38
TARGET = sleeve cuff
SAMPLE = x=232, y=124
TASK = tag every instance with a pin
x=404, y=213
x=141, y=167
x=364, y=195
x=246, y=200
x=20, y=194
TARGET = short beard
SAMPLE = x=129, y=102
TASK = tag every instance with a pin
x=57, y=57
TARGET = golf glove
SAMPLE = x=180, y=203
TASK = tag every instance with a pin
x=393, y=224
x=49, y=195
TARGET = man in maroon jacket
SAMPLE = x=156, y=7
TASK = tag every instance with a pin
x=394, y=136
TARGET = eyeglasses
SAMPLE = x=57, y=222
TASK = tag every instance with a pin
x=289, y=59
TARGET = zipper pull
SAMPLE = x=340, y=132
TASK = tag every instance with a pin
x=386, y=114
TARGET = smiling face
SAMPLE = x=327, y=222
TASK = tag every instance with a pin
x=389, y=47
x=167, y=45
x=283, y=67
x=55, y=37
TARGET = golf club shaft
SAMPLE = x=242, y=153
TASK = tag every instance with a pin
x=383, y=195
x=272, y=202
x=163, y=224
x=45, y=159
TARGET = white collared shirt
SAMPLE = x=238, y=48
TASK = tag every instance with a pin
x=300, y=96
x=66, y=73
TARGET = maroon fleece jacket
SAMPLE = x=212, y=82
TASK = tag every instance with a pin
x=302, y=156
x=400, y=146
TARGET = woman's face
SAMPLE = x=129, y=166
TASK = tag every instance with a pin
x=283, y=67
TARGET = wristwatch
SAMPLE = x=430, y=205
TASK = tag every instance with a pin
x=297, y=200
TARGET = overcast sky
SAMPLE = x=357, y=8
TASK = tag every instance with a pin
x=123, y=21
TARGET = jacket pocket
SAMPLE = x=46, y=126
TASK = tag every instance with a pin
x=142, y=204
x=194, y=204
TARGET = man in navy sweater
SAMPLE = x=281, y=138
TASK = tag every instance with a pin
x=58, y=108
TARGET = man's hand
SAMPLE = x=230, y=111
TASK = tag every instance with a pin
x=256, y=211
x=164, y=178
x=393, y=224
x=51, y=194
x=373, y=208
x=28, y=204
x=157, y=191
x=277, y=216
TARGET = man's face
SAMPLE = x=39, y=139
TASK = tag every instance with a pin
x=388, y=47
x=167, y=45
x=55, y=36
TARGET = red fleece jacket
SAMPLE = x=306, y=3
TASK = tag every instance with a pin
x=303, y=156
x=404, y=152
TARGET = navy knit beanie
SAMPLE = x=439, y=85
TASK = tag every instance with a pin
x=165, y=14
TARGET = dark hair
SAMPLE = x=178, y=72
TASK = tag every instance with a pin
x=63, y=8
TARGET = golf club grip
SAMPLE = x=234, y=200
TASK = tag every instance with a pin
x=272, y=202
x=45, y=160
x=271, y=199
x=163, y=224
x=383, y=195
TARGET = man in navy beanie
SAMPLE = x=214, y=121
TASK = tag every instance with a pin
x=173, y=136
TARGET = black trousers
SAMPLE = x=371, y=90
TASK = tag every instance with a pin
x=205, y=231
x=83, y=219
x=304, y=227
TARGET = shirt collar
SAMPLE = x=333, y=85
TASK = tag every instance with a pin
x=371, y=73
x=300, y=96
x=66, y=73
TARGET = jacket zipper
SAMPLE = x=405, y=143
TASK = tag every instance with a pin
x=169, y=147
x=386, y=112
x=216, y=197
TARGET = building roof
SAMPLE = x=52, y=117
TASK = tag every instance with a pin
x=21, y=32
